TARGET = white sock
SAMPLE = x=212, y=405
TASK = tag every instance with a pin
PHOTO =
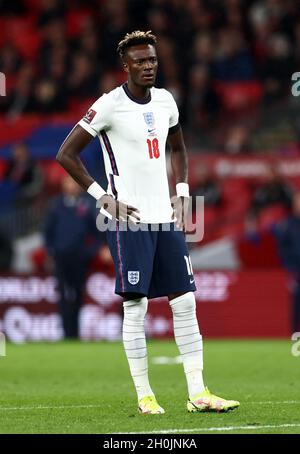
x=134, y=340
x=189, y=341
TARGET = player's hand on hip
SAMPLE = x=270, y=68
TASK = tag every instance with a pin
x=180, y=207
x=119, y=210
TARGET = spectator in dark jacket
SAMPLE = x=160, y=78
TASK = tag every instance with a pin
x=72, y=240
x=207, y=187
x=273, y=191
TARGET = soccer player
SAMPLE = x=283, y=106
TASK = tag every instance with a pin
x=134, y=122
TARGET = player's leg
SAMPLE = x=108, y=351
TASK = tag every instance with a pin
x=188, y=339
x=133, y=254
x=134, y=340
x=173, y=276
x=189, y=342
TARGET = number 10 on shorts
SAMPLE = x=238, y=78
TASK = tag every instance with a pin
x=188, y=265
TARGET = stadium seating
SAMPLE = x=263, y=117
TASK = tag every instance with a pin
x=23, y=35
x=239, y=95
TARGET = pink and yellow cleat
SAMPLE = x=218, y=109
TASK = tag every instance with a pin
x=149, y=406
x=206, y=401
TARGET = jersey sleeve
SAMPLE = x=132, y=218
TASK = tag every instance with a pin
x=98, y=117
x=174, y=114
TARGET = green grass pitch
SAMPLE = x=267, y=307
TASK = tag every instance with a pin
x=73, y=387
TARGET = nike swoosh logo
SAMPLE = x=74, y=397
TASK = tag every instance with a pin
x=192, y=281
x=151, y=130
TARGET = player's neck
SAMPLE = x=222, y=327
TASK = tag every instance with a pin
x=138, y=92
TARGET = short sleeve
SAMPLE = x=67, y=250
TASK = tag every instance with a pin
x=174, y=114
x=98, y=116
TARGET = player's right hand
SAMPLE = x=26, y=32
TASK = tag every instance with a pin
x=119, y=210
x=180, y=211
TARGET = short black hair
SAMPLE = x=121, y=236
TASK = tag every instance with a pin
x=135, y=38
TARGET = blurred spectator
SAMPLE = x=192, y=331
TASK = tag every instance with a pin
x=48, y=97
x=287, y=234
x=10, y=59
x=274, y=191
x=168, y=69
x=20, y=99
x=204, y=49
x=233, y=61
x=208, y=187
x=72, y=240
x=108, y=82
x=54, y=40
x=203, y=102
x=23, y=175
x=115, y=25
x=10, y=63
x=277, y=67
x=89, y=44
x=237, y=140
x=50, y=10
x=83, y=79
x=297, y=42
x=16, y=7
x=158, y=21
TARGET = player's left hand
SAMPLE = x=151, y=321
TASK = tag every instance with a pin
x=180, y=211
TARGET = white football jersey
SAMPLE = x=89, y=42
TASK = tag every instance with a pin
x=133, y=138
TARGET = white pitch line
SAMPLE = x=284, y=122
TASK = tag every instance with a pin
x=268, y=402
x=211, y=429
x=61, y=407
x=52, y=407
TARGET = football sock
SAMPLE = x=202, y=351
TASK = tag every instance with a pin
x=189, y=340
x=134, y=340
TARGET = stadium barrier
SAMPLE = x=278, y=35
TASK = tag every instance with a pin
x=229, y=304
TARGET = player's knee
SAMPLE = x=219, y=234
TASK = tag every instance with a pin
x=184, y=303
x=136, y=309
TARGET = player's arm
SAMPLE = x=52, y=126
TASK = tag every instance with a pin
x=179, y=163
x=69, y=158
x=178, y=155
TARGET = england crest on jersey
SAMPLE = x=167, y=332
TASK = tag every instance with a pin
x=149, y=119
x=133, y=277
x=150, y=122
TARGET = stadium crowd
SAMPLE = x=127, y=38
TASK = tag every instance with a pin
x=214, y=55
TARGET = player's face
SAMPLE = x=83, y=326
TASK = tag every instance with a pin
x=141, y=64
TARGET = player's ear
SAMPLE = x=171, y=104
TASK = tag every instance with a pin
x=125, y=63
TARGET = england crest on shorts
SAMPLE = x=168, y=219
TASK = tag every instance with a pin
x=149, y=119
x=133, y=277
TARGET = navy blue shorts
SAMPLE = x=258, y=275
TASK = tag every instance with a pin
x=150, y=263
